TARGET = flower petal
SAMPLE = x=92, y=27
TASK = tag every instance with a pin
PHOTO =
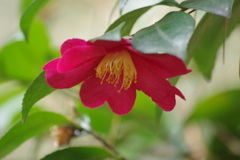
x=72, y=77
x=77, y=56
x=70, y=43
x=93, y=94
x=155, y=86
x=51, y=64
x=165, y=65
x=111, y=46
x=123, y=102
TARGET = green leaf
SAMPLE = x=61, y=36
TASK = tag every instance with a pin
x=82, y=153
x=24, y=4
x=224, y=107
x=131, y=17
x=208, y=37
x=19, y=133
x=169, y=35
x=36, y=91
x=29, y=14
x=22, y=61
x=112, y=35
x=218, y=7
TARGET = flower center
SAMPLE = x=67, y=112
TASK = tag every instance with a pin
x=114, y=65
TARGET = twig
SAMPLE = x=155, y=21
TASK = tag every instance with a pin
x=184, y=9
x=192, y=11
x=106, y=144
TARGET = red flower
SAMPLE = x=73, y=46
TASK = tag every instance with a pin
x=112, y=71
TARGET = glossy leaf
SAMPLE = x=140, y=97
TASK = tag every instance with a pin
x=208, y=37
x=130, y=18
x=83, y=153
x=169, y=35
x=19, y=133
x=218, y=7
x=36, y=91
x=112, y=35
x=29, y=14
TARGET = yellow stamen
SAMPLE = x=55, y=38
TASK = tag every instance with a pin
x=114, y=65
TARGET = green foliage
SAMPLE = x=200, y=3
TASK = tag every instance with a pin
x=208, y=37
x=222, y=110
x=169, y=35
x=145, y=128
x=83, y=153
x=19, y=133
x=22, y=61
x=131, y=17
x=29, y=15
x=36, y=91
x=218, y=7
x=113, y=35
x=223, y=107
x=25, y=4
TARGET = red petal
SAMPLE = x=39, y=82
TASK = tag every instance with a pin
x=155, y=86
x=72, y=77
x=93, y=94
x=111, y=46
x=77, y=56
x=122, y=103
x=51, y=64
x=165, y=65
x=70, y=43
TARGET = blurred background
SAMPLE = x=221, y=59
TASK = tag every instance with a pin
x=205, y=126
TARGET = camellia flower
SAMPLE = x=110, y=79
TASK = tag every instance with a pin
x=112, y=71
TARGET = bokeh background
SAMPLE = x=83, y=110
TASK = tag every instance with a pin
x=206, y=125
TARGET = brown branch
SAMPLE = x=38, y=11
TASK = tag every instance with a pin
x=192, y=11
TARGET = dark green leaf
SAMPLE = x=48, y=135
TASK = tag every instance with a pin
x=112, y=35
x=36, y=91
x=19, y=133
x=81, y=153
x=219, y=7
x=169, y=35
x=131, y=17
x=28, y=15
x=208, y=37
